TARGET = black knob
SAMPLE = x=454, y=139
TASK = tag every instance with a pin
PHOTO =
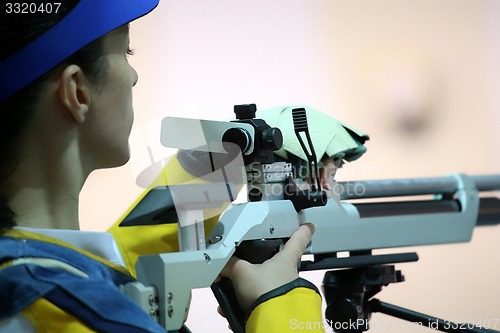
x=245, y=111
x=272, y=138
x=255, y=195
x=345, y=315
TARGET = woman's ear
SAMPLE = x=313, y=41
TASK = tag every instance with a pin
x=74, y=92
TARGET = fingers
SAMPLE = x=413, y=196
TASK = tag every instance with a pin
x=220, y=311
x=299, y=241
x=294, y=249
x=250, y=281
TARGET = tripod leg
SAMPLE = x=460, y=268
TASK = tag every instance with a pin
x=423, y=319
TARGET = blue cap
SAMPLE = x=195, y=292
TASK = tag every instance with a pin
x=89, y=20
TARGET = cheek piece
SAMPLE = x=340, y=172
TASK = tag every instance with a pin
x=89, y=20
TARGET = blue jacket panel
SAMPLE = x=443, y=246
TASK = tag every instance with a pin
x=96, y=300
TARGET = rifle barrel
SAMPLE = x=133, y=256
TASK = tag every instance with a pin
x=411, y=186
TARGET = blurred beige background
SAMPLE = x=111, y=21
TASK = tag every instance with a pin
x=421, y=77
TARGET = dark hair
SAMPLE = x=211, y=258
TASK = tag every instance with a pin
x=17, y=31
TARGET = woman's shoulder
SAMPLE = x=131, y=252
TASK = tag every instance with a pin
x=45, y=278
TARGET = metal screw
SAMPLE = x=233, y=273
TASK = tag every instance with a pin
x=215, y=239
x=207, y=257
x=170, y=311
x=271, y=229
x=170, y=296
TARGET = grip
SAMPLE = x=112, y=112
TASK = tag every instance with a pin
x=226, y=297
x=255, y=252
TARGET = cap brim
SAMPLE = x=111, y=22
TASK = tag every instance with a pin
x=89, y=20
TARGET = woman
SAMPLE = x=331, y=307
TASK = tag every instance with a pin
x=66, y=110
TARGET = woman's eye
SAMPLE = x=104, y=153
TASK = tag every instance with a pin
x=130, y=52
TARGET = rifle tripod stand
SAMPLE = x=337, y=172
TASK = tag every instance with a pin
x=349, y=293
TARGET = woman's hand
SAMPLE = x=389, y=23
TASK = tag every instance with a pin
x=253, y=280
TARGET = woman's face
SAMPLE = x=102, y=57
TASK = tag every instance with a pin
x=111, y=115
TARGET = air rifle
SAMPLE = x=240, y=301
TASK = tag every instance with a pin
x=412, y=212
